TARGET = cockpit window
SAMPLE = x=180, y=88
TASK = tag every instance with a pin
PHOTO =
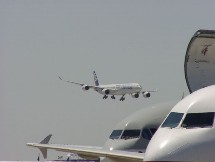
x=129, y=134
x=115, y=134
x=146, y=134
x=172, y=120
x=198, y=120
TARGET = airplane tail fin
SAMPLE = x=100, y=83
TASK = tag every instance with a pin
x=95, y=79
x=45, y=141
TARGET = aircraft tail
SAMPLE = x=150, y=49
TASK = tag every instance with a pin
x=95, y=79
x=45, y=141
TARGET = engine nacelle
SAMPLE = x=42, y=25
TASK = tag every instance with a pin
x=135, y=95
x=85, y=87
x=106, y=91
x=146, y=94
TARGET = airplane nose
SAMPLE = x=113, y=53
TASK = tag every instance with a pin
x=165, y=146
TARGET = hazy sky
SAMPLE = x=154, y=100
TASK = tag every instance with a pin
x=123, y=40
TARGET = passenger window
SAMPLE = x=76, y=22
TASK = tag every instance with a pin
x=172, y=120
x=198, y=120
x=129, y=134
x=146, y=134
x=115, y=134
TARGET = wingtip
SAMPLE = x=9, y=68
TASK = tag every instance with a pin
x=30, y=144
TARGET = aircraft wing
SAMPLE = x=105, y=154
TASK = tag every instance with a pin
x=81, y=84
x=96, y=88
x=90, y=152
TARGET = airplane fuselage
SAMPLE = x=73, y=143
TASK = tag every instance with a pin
x=187, y=134
x=193, y=144
x=119, y=89
x=134, y=89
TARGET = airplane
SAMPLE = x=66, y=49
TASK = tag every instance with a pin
x=134, y=89
x=130, y=136
x=135, y=131
x=187, y=133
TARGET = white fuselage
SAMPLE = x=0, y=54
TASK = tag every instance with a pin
x=190, y=137
x=194, y=145
x=120, y=89
x=143, y=120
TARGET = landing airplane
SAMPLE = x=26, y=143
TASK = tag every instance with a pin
x=134, y=89
x=129, y=136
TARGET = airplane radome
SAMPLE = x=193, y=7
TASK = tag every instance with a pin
x=188, y=132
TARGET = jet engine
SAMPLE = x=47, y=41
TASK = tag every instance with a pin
x=85, y=87
x=106, y=91
x=135, y=95
x=146, y=94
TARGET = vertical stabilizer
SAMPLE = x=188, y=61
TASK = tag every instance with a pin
x=199, y=61
x=95, y=79
x=45, y=141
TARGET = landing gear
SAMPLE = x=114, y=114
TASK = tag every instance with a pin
x=113, y=97
x=105, y=97
x=122, y=98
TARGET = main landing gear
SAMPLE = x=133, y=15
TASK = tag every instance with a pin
x=105, y=97
x=122, y=98
x=113, y=97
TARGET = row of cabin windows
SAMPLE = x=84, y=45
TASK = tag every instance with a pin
x=134, y=133
x=191, y=120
